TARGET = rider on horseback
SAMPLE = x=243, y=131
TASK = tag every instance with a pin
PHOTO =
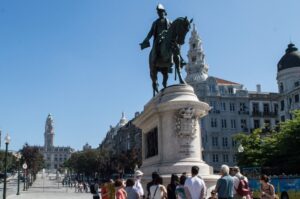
x=159, y=26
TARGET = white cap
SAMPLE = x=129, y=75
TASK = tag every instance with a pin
x=138, y=173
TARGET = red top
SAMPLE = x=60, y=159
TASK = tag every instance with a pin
x=104, y=193
x=121, y=194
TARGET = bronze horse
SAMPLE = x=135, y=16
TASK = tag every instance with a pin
x=166, y=52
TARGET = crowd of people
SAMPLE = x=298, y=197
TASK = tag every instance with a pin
x=231, y=185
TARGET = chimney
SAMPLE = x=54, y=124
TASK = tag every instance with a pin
x=258, y=88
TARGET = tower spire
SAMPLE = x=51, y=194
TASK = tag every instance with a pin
x=49, y=132
x=196, y=69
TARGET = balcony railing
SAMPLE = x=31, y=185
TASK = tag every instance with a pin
x=270, y=114
x=244, y=112
x=256, y=114
x=214, y=111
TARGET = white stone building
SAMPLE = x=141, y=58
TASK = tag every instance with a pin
x=233, y=108
x=288, y=80
x=54, y=156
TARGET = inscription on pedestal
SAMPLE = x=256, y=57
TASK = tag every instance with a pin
x=186, y=149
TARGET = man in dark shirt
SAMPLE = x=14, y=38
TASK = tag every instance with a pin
x=154, y=176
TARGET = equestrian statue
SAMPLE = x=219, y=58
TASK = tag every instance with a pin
x=167, y=40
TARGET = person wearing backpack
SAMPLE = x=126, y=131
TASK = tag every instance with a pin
x=241, y=189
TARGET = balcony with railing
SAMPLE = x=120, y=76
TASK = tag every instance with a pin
x=256, y=113
x=243, y=112
x=270, y=114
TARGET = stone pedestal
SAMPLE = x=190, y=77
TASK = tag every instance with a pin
x=171, y=138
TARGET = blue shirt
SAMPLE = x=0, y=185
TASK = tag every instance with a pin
x=224, y=187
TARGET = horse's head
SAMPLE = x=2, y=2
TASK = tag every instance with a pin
x=183, y=26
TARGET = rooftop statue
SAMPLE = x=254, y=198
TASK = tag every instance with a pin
x=167, y=40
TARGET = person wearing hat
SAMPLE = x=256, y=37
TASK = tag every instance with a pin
x=158, y=26
x=137, y=185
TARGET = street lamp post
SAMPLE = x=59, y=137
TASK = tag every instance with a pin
x=18, y=156
x=24, y=167
x=7, y=140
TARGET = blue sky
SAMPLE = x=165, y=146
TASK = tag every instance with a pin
x=80, y=59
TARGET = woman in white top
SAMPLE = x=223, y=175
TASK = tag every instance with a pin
x=158, y=191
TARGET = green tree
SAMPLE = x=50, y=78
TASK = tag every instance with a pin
x=33, y=158
x=277, y=149
x=11, y=162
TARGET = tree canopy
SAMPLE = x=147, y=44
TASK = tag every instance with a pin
x=33, y=158
x=278, y=149
x=102, y=163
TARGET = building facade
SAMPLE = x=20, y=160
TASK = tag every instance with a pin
x=123, y=137
x=54, y=156
x=234, y=109
x=288, y=80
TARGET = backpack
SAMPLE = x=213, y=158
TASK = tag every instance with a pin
x=243, y=188
x=92, y=189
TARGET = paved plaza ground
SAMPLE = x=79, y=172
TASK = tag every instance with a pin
x=47, y=188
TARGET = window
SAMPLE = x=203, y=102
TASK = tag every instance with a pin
x=230, y=90
x=232, y=107
x=194, y=46
x=233, y=124
x=128, y=145
x=224, y=123
x=223, y=106
x=212, y=88
x=296, y=98
x=213, y=122
x=282, y=105
x=276, y=108
x=296, y=84
x=222, y=90
x=267, y=124
x=215, y=141
x=243, y=123
x=233, y=142
x=242, y=106
x=225, y=157
x=215, y=158
x=234, y=158
x=282, y=118
x=225, y=142
x=281, y=87
x=256, y=124
x=213, y=104
x=266, y=108
x=193, y=59
x=255, y=107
